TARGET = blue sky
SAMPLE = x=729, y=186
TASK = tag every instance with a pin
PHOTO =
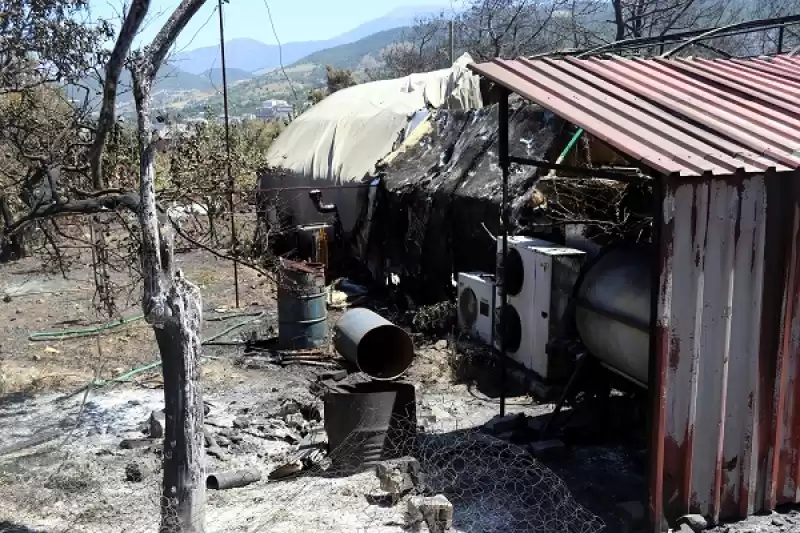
x=295, y=20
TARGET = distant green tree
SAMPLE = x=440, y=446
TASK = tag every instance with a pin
x=339, y=79
x=315, y=96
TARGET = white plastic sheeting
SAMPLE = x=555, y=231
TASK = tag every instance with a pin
x=340, y=139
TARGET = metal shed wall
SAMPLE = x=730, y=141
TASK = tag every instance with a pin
x=727, y=419
x=724, y=137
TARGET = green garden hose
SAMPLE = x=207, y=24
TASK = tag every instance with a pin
x=73, y=333
x=155, y=364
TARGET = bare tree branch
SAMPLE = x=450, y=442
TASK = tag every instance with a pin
x=130, y=27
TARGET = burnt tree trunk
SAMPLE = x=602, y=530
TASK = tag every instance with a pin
x=170, y=303
x=173, y=306
x=12, y=246
x=178, y=337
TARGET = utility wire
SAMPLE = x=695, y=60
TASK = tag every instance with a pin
x=280, y=51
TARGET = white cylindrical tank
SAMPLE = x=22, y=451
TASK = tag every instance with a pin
x=612, y=311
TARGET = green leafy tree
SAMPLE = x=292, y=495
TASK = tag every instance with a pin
x=338, y=79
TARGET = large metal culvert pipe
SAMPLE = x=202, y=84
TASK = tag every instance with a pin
x=379, y=348
x=612, y=311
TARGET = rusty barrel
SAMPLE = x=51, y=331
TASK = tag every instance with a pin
x=302, y=310
x=369, y=422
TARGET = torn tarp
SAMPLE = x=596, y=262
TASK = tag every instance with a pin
x=337, y=142
x=442, y=188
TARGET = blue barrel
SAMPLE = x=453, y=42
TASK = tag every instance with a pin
x=302, y=310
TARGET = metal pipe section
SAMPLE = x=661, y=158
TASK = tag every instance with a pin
x=379, y=348
x=505, y=165
x=232, y=480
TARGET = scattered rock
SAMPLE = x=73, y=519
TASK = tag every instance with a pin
x=399, y=475
x=435, y=511
x=229, y=433
x=217, y=452
x=698, y=522
x=18, y=311
x=296, y=421
x=241, y=422
x=439, y=413
x=308, y=408
x=155, y=425
x=7, y=298
x=333, y=375
x=136, y=444
x=50, y=349
x=538, y=423
x=133, y=472
x=547, y=448
x=138, y=471
x=441, y=345
x=278, y=433
x=287, y=470
x=213, y=448
x=503, y=424
x=633, y=511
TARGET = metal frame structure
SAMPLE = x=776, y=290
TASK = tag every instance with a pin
x=721, y=140
x=685, y=38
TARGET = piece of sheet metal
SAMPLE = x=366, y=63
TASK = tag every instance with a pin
x=728, y=337
x=688, y=117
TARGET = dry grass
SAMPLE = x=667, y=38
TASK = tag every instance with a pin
x=35, y=380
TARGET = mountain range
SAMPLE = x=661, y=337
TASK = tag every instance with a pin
x=256, y=57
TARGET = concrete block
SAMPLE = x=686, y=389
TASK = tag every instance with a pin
x=435, y=511
x=399, y=475
x=548, y=449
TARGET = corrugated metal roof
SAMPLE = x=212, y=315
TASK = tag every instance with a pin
x=677, y=116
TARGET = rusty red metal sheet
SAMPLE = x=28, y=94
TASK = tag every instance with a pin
x=728, y=337
x=685, y=117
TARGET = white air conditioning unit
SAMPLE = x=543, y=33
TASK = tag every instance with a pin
x=539, y=278
x=475, y=304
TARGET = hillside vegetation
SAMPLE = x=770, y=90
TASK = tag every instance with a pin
x=350, y=55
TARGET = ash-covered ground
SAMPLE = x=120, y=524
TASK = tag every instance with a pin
x=63, y=466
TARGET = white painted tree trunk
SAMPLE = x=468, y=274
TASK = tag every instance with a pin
x=173, y=307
